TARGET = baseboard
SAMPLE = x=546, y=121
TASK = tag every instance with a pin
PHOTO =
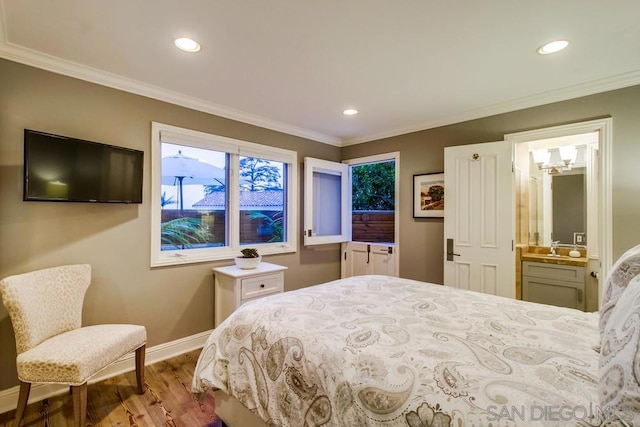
x=158, y=353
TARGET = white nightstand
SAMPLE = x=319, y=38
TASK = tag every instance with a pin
x=234, y=286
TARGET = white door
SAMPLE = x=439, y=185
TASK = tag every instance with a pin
x=359, y=258
x=479, y=218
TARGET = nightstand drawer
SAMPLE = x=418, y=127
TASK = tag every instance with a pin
x=259, y=286
x=235, y=286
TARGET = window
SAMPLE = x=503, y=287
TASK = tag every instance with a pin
x=354, y=203
x=351, y=201
x=327, y=202
x=213, y=196
x=373, y=194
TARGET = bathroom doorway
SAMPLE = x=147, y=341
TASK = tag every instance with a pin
x=534, y=182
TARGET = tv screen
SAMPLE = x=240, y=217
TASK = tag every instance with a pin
x=62, y=169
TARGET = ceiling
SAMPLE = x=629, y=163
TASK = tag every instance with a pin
x=295, y=65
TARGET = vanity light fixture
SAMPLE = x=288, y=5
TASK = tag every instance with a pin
x=567, y=158
x=350, y=112
x=568, y=153
x=541, y=157
x=187, y=44
x=552, y=47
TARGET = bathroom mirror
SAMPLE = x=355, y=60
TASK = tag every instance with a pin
x=558, y=203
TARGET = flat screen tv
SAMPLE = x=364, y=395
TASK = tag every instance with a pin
x=63, y=169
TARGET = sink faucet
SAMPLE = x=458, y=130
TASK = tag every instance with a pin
x=554, y=246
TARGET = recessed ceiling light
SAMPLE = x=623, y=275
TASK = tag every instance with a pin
x=350, y=112
x=552, y=47
x=186, y=44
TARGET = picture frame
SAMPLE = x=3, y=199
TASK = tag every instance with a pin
x=428, y=195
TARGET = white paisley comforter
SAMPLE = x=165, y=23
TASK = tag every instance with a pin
x=383, y=351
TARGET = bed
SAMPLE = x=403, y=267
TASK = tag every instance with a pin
x=384, y=351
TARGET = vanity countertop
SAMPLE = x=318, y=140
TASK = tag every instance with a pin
x=561, y=260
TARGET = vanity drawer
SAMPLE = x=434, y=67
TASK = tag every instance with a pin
x=567, y=273
x=561, y=293
x=554, y=284
x=254, y=287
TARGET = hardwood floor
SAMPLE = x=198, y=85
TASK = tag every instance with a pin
x=167, y=401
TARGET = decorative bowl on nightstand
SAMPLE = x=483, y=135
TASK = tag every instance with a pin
x=247, y=263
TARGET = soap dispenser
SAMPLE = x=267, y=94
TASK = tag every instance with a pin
x=574, y=253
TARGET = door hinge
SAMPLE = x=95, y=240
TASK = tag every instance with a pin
x=512, y=246
x=345, y=255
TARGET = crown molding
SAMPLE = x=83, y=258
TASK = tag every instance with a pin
x=57, y=65
x=571, y=92
x=71, y=69
x=37, y=59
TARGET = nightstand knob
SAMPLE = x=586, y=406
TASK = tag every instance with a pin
x=262, y=285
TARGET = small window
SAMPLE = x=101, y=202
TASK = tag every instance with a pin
x=262, y=201
x=190, y=218
x=327, y=202
x=351, y=201
x=373, y=200
x=212, y=196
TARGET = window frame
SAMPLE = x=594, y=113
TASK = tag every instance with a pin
x=235, y=148
x=343, y=170
x=313, y=198
x=381, y=158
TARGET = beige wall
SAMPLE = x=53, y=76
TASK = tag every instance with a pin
x=175, y=302
x=172, y=302
x=421, y=240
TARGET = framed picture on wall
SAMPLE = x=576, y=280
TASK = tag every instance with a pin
x=428, y=195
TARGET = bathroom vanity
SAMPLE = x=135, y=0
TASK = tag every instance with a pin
x=554, y=280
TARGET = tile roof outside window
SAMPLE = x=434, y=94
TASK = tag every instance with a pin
x=249, y=200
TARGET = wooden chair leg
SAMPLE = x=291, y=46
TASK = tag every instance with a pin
x=140, y=353
x=23, y=398
x=79, y=405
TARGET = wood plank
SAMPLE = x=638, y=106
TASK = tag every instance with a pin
x=167, y=401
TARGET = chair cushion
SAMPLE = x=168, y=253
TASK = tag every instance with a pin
x=74, y=356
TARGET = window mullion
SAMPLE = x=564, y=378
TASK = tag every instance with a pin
x=233, y=208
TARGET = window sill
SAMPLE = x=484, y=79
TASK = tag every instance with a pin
x=168, y=258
